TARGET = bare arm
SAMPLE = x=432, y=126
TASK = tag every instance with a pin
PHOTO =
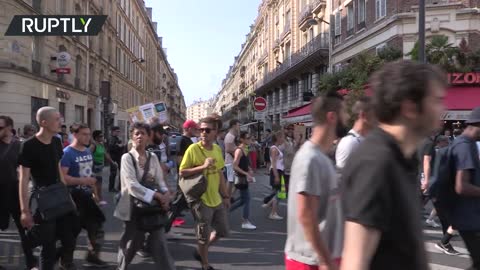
x=223, y=187
x=427, y=170
x=359, y=246
x=23, y=188
x=307, y=216
x=463, y=186
x=274, y=156
x=236, y=162
x=192, y=171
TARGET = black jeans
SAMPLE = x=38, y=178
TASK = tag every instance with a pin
x=113, y=176
x=49, y=232
x=472, y=242
x=13, y=209
x=178, y=205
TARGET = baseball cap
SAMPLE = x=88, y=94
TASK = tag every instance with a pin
x=190, y=124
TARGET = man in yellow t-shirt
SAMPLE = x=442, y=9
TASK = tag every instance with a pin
x=211, y=211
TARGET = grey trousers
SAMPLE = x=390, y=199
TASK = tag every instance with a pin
x=132, y=241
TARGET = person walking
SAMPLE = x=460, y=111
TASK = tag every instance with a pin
x=132, y=174
x=230, y=146
x=465, y=209
x=211, y=211
x=290, y=147
x=380, y=185
x=9, y=195
x=40, y=158
x=77, y=170
x=243, y=176
x=100, y=154
x=315, y=222
x=276, y=174
x=116, y=149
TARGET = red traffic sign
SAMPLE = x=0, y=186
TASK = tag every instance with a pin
x=62, y=70
x=260, y=104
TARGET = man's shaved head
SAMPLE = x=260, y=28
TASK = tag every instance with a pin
x=45, y=113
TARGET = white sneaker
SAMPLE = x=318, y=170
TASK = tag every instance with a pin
x=265, y=205
x=275, y=217
x=432, y=223
x=103, y=203
x=248, y=226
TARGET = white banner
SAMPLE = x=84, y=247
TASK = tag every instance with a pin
x=456, y=115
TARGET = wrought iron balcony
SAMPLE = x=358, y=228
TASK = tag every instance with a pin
x=305, y=13
x=317, y=5
x=320, y=42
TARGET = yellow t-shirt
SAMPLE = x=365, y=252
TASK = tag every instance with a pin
x=193, y=158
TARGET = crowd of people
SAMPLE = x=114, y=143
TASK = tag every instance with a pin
x=354, y=195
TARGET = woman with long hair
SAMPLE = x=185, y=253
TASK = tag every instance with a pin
x=277, y=168
x=142, y=184
x=243, y=175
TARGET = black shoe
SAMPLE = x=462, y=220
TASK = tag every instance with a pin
x=94, y=261
x=208, y=268
x=447, y=249
x=197, y=256
x=69, y=266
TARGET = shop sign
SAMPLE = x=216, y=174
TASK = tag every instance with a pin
x=464, y=78
x=62, y=94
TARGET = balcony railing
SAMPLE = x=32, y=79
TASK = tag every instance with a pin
x=286, y=29
x=318, y=43
x=317, y=4
x=305, y=13
x=441, y=2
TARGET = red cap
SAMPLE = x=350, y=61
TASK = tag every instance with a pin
x=190, y=124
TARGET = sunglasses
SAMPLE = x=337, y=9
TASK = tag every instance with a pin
x=206, y=130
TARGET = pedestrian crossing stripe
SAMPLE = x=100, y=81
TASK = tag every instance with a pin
x=434, y=266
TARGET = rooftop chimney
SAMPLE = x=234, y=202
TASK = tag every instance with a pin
x=149, y=12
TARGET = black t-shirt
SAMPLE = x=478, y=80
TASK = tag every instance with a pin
x=9, y=162
x=427, y=148
x=42, y=159
x=185, y=142
x=114, y=149
x=381, y=191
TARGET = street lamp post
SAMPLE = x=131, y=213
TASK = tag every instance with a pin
x=421, y=31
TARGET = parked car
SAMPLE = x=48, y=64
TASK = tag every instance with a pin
x=174, y=141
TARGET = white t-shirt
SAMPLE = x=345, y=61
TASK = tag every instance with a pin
x=229, y=144
x=345, y=147
x=314, y=174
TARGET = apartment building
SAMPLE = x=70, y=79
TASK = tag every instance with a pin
x=365, y=25
x=126, y=57
x=282, y=59
x=199, y=109
x=362, y=25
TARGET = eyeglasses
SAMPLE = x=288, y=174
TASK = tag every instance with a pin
x=206, y=130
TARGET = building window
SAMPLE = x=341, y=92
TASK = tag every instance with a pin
x=277, y=96
x=61, y=110
x=79, y=111
x=36, y=104
x=380, y=8
x=294, y=90
x=350, y=17
x=361, y=11
x=338, y=23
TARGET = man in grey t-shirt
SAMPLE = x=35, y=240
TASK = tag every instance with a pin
x=315, y=223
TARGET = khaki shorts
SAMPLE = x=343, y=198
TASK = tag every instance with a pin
x=207, y=218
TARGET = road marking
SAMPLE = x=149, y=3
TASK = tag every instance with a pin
x=434, y=266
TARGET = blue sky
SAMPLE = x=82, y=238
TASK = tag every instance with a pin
x=202, y=38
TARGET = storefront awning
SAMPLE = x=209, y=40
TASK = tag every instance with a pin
x=462, y=98
x=300, y=111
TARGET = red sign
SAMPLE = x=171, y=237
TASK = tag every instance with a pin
x=63, y=70
x=463, y=78
x=260, y=104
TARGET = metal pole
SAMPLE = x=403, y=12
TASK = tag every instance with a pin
x=421, y=31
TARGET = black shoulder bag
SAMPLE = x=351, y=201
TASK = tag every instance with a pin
x=54, y=201
x=148, y=216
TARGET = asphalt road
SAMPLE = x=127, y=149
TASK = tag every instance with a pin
x=261, y=249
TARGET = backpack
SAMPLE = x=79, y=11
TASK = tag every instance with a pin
x=442, y=188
